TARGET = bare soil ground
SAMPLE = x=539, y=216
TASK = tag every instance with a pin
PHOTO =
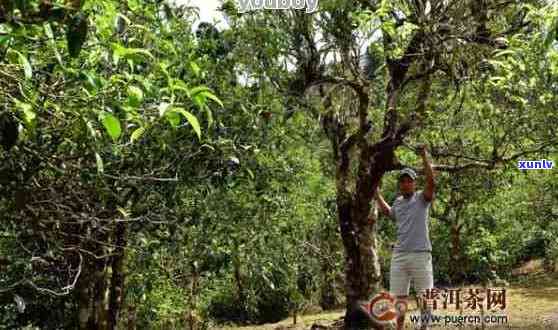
x=531, y=303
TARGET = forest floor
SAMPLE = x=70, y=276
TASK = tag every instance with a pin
x=531, y=303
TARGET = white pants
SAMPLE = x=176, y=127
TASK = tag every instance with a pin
x=407, y=266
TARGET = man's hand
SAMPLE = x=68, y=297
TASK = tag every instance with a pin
x=377, y=191
x=384, y=207
x=421, y=150
x=430, y=184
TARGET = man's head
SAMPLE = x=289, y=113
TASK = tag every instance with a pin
x=407, y=178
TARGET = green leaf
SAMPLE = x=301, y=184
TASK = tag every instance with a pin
x=212, y=96
x=163, y=107
x=209, y=117
x=178, y=84
x=199, y=89
x=4, y=39
x=199, y=100
x=29, y=114
x=112, y=125
x=134, y=54
x=173, y=117
x=92, y=81
x=125, y=213
x=504, y=52
x=195, y=68
x=193, y=120
x=201, y=93
x=135, y=96
x=99, y=162
x=27, y=70
x=137, y=134
x=48, y=31
x=52, y=42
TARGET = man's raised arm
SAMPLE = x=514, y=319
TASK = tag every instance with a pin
x=429, y=173
x=384, y=207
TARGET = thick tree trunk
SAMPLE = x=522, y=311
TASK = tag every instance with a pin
x=362, y=268
x=357, y=227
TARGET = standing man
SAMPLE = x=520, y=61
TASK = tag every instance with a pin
x=412, y=254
